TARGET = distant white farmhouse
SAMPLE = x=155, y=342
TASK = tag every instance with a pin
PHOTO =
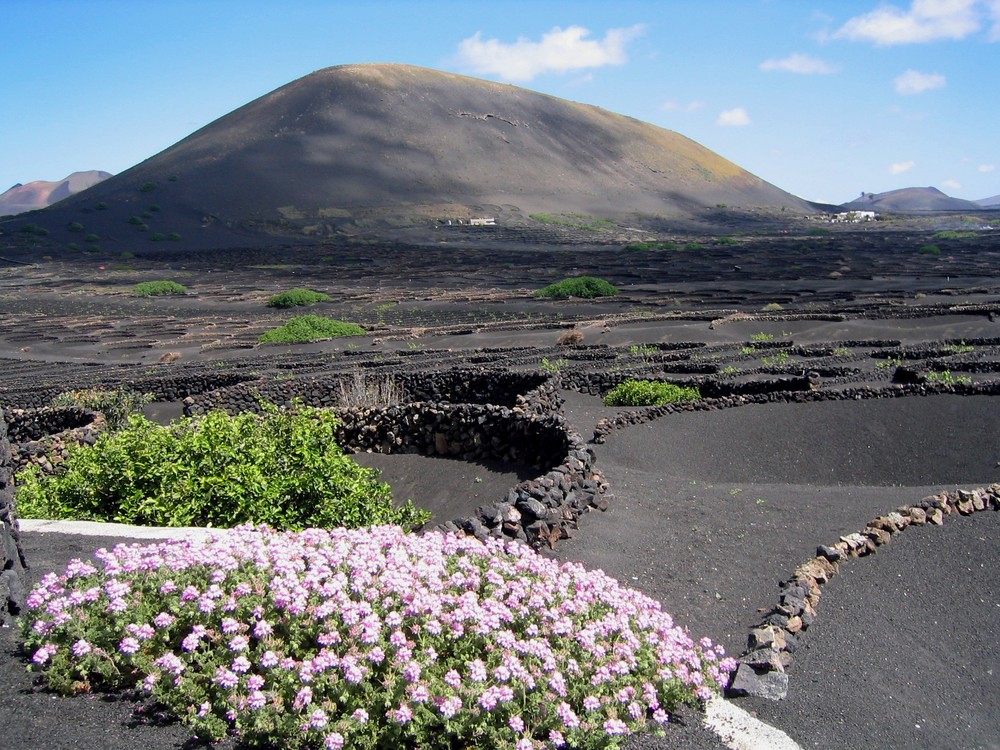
x=853, y=217
x=490, y=222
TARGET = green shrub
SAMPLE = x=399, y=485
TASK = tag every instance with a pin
x=92, y=238
x=297, y=298
x=102, y=206
x=649, y=393
x=157, y=236
x=157, y=288
x=147, y=187
x=116, y=406
x=946, y=378
x=652, y=246
x=310, y=328
x=930, y=250
x=553, y=366
x=586, y=287
x=173, y=237
x=279, y=468
x=777, y=359
x=953, y=234
x=75, y=226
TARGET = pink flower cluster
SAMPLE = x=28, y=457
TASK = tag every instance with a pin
x=377, y=633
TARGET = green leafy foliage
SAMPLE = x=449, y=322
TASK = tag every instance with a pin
x=297, y=298
x=946, y=378
x=586, y=287
x=954, y=234
x=310, y=328
x=157, y=288
x=280, y=468
x=116, y=406
x=930, y=250
x=649, y=393
x=652, y=246
x=553, y=366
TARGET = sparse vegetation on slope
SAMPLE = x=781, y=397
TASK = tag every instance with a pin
x=158, y=288
x=586, y=287
x=310, y=328
x=297, y=298
x=649, y=393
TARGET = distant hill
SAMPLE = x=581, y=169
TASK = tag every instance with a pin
x=351, y=146
x=993, y=202
x=910, y=199
x=40, y=193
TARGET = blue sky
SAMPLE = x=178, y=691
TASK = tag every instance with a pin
x=823, y=98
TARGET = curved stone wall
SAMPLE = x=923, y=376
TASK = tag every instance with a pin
x=645, y=414
x=12, y=562
x=772, y=642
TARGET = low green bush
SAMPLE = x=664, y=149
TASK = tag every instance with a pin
x=652, y=246
x=297, y=298
x=649, y=393
x=930, y=250
x=586, y=287
x=116, y=406
x=157, y=288
x=281, y=468
x=310, y=328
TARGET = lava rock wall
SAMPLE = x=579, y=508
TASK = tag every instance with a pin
x=12, y=562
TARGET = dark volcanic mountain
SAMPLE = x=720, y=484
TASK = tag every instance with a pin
x=354, y=145
x=910, y=199
x=40, y=193
x=993, y=202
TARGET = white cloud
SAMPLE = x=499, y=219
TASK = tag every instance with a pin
x=559, y=51
x=952, y=184
x=798, y=63
x=925, y=21
x=674, y=106
x=735, y=117
x=987, y=167
x=914, y=82
x=901, y=166
x=994, y=10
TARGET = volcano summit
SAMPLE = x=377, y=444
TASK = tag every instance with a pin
x=354, y=145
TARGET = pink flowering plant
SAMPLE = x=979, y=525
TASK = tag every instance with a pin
x=370, y=638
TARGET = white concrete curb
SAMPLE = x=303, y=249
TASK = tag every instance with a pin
x=93, y=528
x=741, y=731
